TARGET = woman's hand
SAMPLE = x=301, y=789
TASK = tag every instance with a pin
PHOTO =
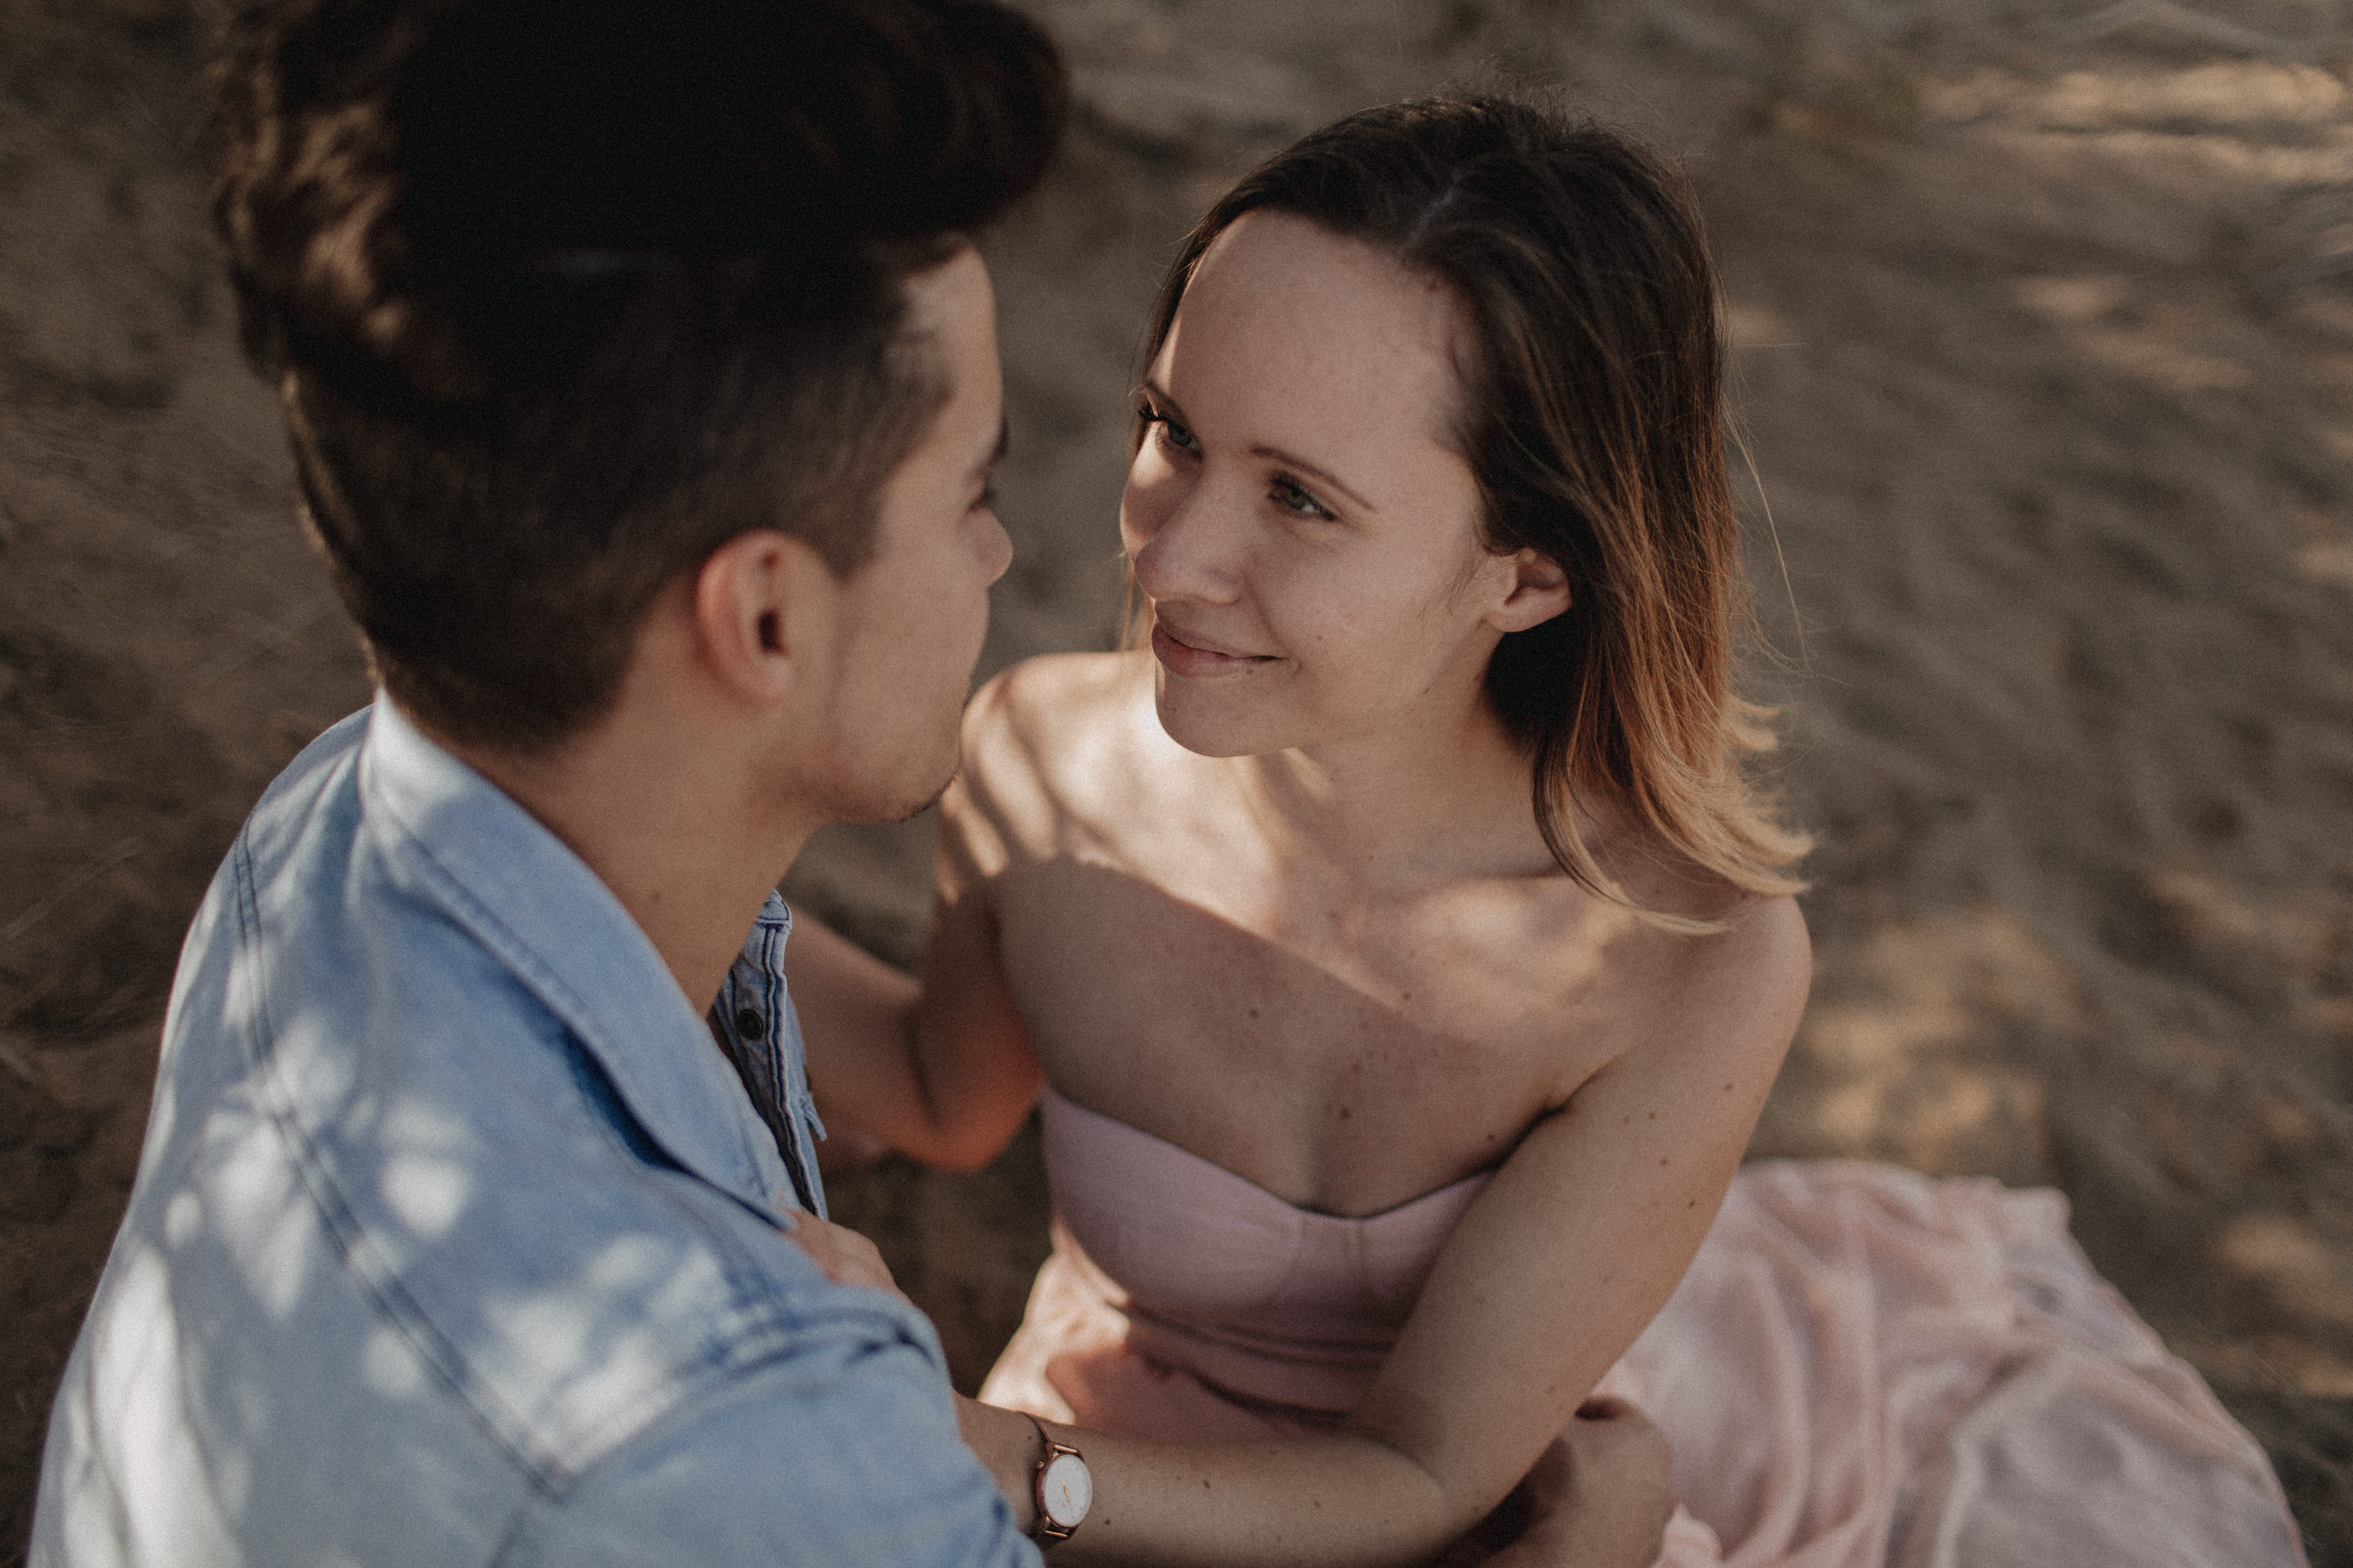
x=1600, y=1497
x=941, y=1071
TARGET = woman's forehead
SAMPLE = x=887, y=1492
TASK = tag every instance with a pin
x=1284, y=308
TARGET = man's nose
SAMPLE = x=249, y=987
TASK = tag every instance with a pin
x=996, y=549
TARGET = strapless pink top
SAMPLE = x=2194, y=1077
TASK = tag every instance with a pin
x=1267, y=1303
x=1863, y=1366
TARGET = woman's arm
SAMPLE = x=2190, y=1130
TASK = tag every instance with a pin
x=1569, y=1251
x=1599, y=1496
x=940, y=1070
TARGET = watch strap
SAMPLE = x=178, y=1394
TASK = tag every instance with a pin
x=1046, y=1531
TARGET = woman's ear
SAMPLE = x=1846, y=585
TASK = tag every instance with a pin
x=758, y=600
x=1539, y=591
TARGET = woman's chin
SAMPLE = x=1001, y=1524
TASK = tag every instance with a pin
x=1207, y=726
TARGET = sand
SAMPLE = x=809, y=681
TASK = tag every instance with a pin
x=2043, y=319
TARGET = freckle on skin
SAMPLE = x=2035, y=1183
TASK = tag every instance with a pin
x=1661, y=1162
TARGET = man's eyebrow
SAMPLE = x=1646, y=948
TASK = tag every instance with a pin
x=997, y=453
x=1159, y=395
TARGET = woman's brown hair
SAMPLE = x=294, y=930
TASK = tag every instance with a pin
x=1592, y=418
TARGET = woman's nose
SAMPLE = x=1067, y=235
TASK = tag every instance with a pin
x=1183, y=541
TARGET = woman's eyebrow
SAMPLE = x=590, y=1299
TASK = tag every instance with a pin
x=1160, y=395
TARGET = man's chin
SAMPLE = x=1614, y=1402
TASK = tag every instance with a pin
x=924, y=805
x=902, y=808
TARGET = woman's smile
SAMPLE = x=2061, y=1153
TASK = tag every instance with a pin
x=1189, y=653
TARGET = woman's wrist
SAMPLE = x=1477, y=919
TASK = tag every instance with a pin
x=1010, y=1447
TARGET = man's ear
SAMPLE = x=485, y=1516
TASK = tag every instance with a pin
x=759, y=608
x=1539, y=591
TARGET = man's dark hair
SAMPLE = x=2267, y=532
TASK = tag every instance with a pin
x=561, y=295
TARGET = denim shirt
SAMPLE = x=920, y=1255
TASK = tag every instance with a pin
x=455, y=1239
x=755, y=1023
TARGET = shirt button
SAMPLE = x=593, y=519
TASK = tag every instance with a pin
x=749, y=1025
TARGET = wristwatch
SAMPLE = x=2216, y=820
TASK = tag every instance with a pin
x=1063, y=1487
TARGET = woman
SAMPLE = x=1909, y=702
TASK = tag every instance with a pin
x=1404, y=953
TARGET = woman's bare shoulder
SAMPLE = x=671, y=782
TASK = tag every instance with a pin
x=1052, y=692
x=1765, y=951
x=1739, y=990
x=1047, y=742
x=1045, y=714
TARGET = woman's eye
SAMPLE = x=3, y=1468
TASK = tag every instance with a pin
x=1176, y=435
x=1287, y=495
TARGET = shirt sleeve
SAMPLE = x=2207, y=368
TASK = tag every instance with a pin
x=846, y=1455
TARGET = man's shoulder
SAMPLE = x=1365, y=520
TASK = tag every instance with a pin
x=330, y=758
x=392, y=1179
x=396, y=1208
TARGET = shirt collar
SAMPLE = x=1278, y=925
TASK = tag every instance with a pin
x=515, y=888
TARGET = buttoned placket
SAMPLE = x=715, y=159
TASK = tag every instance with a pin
x=753, y=1023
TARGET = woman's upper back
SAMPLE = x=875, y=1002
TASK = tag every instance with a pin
x=1347, y=1046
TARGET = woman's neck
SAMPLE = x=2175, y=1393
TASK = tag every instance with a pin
x=1406, y=806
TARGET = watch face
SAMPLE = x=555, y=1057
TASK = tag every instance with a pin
x=1065, y=1490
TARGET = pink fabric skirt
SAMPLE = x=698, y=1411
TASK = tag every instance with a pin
x=1863, y=1367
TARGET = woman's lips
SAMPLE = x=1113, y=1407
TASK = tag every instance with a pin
x=1182, y=658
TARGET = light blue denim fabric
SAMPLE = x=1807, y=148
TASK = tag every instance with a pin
x=455, y=1238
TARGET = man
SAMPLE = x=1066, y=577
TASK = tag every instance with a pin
x=643, y=392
